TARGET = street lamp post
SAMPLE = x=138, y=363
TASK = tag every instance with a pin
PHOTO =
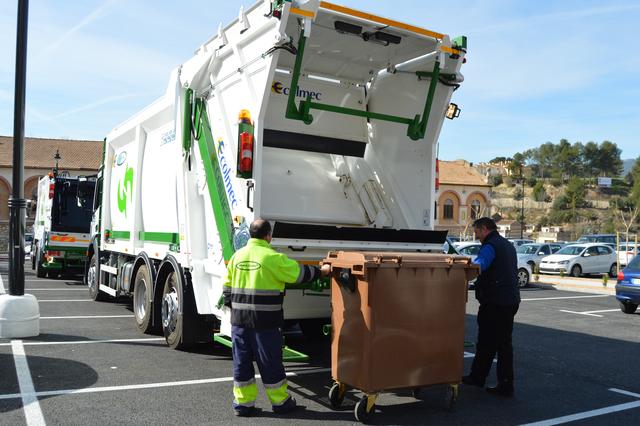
x=522, y=205
x=19, y=312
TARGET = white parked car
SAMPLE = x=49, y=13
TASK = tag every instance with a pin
x=471, y=249
x=517, y=242
x=626, y=252
x=578, y=259
x=533, y=253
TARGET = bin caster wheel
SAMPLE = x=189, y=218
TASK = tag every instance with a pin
x=416, y=392
x=364, y=408
x=452, y=396
x=336, y=395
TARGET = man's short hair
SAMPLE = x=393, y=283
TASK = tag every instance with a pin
x=485, y=222
x=259, y=228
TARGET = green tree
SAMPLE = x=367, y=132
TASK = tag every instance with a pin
x=539, y=193
x=610, y=162
x=545, y=157
x=590, y=157
x=634, y=174
x=575, y=194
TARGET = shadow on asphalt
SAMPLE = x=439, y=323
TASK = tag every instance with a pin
x=48, y=374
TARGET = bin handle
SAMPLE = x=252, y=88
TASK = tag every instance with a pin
x=346, y=280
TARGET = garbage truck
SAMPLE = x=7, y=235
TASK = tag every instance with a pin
x=61, y=229
x=319, y=118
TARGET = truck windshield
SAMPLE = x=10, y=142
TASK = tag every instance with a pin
x=67, y=213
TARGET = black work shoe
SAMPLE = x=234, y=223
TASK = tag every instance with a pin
x=289, y=406
x=505, y=391
x=471, y=380
x=245, y=411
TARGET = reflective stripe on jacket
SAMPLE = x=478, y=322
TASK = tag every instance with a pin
x=255, y=283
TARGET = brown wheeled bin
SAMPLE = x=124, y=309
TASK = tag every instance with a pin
x=397, y=322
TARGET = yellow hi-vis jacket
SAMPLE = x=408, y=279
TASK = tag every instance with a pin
x=255, y=283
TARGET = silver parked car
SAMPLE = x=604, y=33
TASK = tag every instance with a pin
x=578, y=259
x=532, y=253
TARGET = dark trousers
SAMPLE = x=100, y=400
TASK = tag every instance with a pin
x=265, y=347
x=495, y=326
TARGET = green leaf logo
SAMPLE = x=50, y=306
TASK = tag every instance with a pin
x=125, y=190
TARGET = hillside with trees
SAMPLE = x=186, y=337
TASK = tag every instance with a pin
x=558, y=186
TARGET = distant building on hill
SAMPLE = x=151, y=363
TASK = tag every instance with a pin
x=464, y=196
x=77, y=157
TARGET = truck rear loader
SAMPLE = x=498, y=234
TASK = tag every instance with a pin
x=322, y=119
x=61, y=230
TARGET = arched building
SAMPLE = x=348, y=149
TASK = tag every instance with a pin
x=464, y=196
x=76, y=157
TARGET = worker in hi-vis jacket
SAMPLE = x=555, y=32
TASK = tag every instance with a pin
x=254, y=291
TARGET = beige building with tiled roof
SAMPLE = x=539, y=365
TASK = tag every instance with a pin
x=464, y=195
x=77, y=157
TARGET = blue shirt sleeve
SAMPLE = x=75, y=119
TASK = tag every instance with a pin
x=485, y=257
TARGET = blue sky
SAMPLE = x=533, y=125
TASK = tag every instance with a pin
x=535, y=72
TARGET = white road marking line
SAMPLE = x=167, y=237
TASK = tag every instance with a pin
x=87, y=317
x=149, y=385
x=26, y=290
x=624, y=392
x=64, y=300
x=32, y=411
x=581, y=313
x=586, y=414
x=81, y=342
x=564, y=297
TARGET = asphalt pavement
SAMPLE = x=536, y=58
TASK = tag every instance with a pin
x=576, y=357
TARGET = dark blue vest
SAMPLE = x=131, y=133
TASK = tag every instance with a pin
x=498, y=285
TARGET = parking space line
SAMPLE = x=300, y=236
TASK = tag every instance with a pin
x=83, y=288
x=564, y=297
x=586, y=414
x=624, y=392
x=149, y=385
x=590, y=313
x=64, y=300
x=87, y=317
x=30, y=404
x=82, y=342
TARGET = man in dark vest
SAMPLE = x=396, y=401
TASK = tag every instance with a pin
x=499, y=296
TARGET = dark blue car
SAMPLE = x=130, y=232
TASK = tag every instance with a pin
x=628, y=286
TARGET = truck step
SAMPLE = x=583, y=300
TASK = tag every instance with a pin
x=288, y=354
x=109, y=269
x=110, y=291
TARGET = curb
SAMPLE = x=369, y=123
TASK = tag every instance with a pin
x=609, y=290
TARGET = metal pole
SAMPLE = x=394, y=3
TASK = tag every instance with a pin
x=17, y=204
x=522, y=205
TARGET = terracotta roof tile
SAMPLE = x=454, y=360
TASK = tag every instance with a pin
x=460, y=173
x=38, y=153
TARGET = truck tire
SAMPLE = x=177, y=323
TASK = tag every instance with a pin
x=40, y=271
x=172, y=310
x=93, y=274
x=143, y=299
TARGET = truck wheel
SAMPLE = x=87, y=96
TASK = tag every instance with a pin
x=143, y=299
x=172, y=310
x=40, y=272
x=92, y=280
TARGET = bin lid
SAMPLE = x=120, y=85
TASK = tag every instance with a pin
x=359, y=261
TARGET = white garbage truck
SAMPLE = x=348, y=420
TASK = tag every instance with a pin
x=322, y=119
x=61, y=229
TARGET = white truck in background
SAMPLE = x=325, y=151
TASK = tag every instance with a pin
x=61, y=229
x=321, y=119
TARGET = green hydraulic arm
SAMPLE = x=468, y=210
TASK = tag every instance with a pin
x=416, y=126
